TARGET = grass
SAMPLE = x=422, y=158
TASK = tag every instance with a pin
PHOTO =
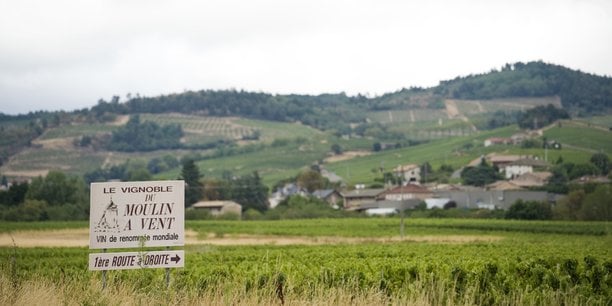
x=271, y=130
x=77, y=130
x=584, y=137
x=272, y=163
x=73, y=162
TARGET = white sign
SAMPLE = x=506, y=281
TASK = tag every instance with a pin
x=137, y=214
x=136, y=260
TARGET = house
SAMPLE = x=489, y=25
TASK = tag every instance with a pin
x=497, y=141
x=521, y=166
x=330, y=196
x=500, y=161
x=329, y=175
x=503, y=185
x=406, y=192
x=500, y=199
x=284, y=192
x=217, y=208
x=360, y=197
x=410, y=173
x=532, y=179
x=436, y=203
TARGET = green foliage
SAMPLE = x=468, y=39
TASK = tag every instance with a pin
x=503, y=269
x=29, y=210
x=58, y=189
x=298, y=207
x=480, y=175
x=14, y=195
x=529, y=210
x=337, y=149
x=145, y=136
x=54, y=197
x=311, y=180
x=541, y=116
x=578, y=91
x=557, y=183
x=598, y=204
x=194, y=190
x=501, y=119
x=602, y=162
x=579, y=170
x=569, y=207
x=250, y=192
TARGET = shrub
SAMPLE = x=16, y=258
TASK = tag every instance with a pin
x=529, y=210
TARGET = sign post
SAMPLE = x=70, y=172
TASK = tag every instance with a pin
x=137, y=215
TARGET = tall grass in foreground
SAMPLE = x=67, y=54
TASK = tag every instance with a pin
x=90, y=292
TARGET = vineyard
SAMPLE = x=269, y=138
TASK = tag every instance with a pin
x=200, y=127
x=529, y=263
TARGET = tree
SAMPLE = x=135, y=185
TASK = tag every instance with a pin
x=529, y=210
x=311, y=180
x=336, y=148
x=598, y=204
x=426, y=172
x=580, y=170
x=250, y=192
x=557, y=183
x=14, y=195
x=480, y=175
x=568, y=208
x=602, y=162
x=194, y=189
x=58, y=189
x=376, y=147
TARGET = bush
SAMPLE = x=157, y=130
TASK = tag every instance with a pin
x=197, y=214
x=529, y=210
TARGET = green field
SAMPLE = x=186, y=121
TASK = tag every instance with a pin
x=601, y=121
x=591, y=139
x=200, y=129
x=475, y=262
x=77, y=130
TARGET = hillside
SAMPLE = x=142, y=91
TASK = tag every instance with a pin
x=278, y=135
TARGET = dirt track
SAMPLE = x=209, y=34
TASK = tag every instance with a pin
x=80, y=238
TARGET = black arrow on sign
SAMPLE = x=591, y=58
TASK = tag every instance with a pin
x=176, y=258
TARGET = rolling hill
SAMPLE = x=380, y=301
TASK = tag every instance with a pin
x=278, y=135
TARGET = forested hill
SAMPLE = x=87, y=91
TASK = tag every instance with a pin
x=580, y=92
x=322, y=111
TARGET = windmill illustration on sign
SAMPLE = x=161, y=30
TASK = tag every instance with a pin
x=109, y=221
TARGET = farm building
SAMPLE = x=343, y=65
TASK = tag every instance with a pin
x=410, y=173
x=217, y=208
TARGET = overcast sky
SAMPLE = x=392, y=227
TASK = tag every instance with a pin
x=67, y=54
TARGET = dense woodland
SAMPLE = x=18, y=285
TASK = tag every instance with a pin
x=579, y=92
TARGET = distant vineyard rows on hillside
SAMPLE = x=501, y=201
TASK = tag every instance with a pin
x=210, y=126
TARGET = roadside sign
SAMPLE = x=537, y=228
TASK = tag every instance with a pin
x=137, y=214
x=136, y=260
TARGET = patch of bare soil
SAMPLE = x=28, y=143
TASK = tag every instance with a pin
x=346, y=156
x=121, y=120
x=80, y=238
x=289, y=240
x=55, y=143
x=451, y=109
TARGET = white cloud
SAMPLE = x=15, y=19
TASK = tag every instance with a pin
x=67, y=54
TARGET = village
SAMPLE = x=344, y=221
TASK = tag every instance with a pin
x=521, y=177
